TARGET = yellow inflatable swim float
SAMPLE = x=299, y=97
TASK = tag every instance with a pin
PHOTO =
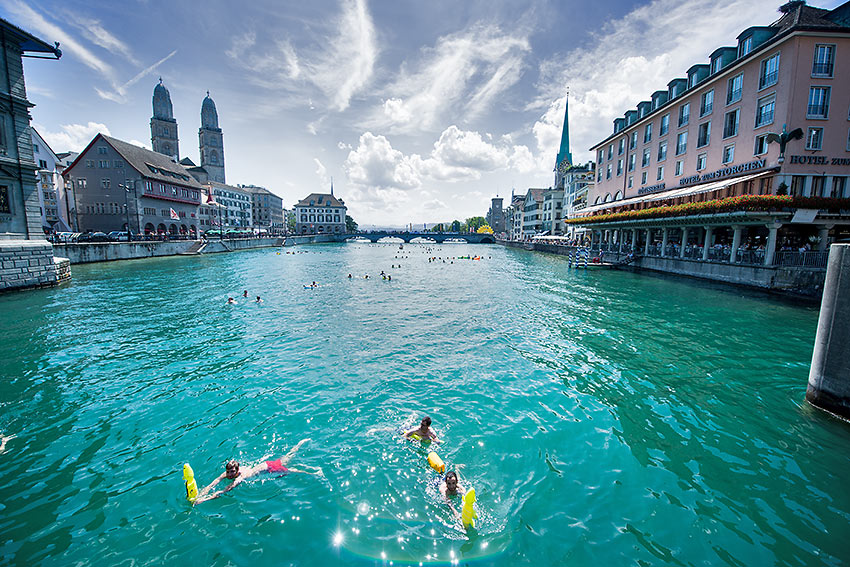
x=468, y=513
x=436, y=462
x=191, y=485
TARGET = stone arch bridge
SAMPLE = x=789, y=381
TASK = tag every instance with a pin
x=438, y=237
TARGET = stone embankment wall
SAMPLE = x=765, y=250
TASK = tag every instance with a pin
x=30, y=263
x=797, y=281
x=309, y=239
x=82, y=253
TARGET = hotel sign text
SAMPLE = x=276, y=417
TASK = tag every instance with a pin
x=819, y=160
x=651, y=189
x=725, y=172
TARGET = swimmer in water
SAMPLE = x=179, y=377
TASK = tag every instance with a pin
x=450, y=486
x=424, y=431
x=259, y=300
x=349, y=276
x=245, y=293
x=231, y=301
x=233, y=472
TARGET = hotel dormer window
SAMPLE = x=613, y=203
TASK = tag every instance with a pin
x=715, y=65
x=746, y=46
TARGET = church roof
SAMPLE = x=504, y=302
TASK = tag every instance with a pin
x=150, y=164
x=26, y=41
x=320, y=200
x=162, y=108
x=187, y=162
x=209, y=115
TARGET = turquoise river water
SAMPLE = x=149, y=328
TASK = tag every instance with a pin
x=603, y=417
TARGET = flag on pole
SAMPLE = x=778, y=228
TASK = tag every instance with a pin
x=174, y=215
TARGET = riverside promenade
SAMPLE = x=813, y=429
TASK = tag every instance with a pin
x=87, y=252
x=800, y=274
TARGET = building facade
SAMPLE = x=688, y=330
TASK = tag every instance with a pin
x=768, y=116
x=114, y=185
x=552, y=212
x=532, y=213
x=51, y=186
x=515, y=216
x=236, y=205
x=266, y=209
x=320, y=213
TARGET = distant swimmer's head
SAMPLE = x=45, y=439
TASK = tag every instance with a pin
x=231, y=469
x=451, y=481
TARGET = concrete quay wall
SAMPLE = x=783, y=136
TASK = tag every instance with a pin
x=83, y=253
x=797, y=281
x=309, y=239
x=30, y=263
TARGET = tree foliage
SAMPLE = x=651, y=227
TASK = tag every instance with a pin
x=350, y=225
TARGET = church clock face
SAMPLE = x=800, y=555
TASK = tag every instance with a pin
x=563, y=167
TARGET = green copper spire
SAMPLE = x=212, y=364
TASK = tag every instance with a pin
x=564, y=151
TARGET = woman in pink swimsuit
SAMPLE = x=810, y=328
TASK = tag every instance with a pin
x=237, y=475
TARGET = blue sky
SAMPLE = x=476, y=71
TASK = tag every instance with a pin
x=420, y=111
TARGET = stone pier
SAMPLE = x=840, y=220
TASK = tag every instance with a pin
x=30, y=263
x=829, y=376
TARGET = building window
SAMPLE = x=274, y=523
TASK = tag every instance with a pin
x=645, y=161
x=681, y=143
x=818, y=183
x=608, y=173
x=600, y=156
x=765, y=110
x=665, y=125
x=104, y=164
x=735, y=88
x=89, y=163
x=631, y=162
x=848, y=140
x=5, y=205
x=746, y=46
x=706, y=104
x=643, y=178
x=620, y=166
x=824, y=61
x=730, y=124
x=118, y=163
x=769, y=71
x=647, y=133
x=610, y=151
x=42, y=164
x=679, y=167
x=621, y=146
x=633, y=141
x=715, y=65
x=814, y=140
x=684, y=114
x=818, y=102
x=102, y=150
x=104, y=182
x=662, y=150
x=729, y=153
x=660, y=174
x=761, y=145
x=798, y=185
x=838, y=186
x=704, y=134
x=631, y=181
x=701, y=158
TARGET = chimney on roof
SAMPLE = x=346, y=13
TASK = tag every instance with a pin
x=791, y=6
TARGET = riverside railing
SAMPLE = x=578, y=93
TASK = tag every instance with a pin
x=808, y=259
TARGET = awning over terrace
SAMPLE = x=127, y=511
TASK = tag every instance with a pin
x=676, y=193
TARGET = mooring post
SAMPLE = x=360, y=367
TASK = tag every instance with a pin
x=829, y=376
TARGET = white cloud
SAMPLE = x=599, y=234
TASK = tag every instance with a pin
x=376, y=164
x=341, y=69
x=322, y=173
x=135, y=142
x=72, y=137
x=630, y=59
x=100, y=36
x=463, y=72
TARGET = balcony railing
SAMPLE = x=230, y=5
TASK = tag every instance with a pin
x=813, y=259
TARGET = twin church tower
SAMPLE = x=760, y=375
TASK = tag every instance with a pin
x=164, y=137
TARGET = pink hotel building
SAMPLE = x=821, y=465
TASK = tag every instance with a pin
x=706, y=137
